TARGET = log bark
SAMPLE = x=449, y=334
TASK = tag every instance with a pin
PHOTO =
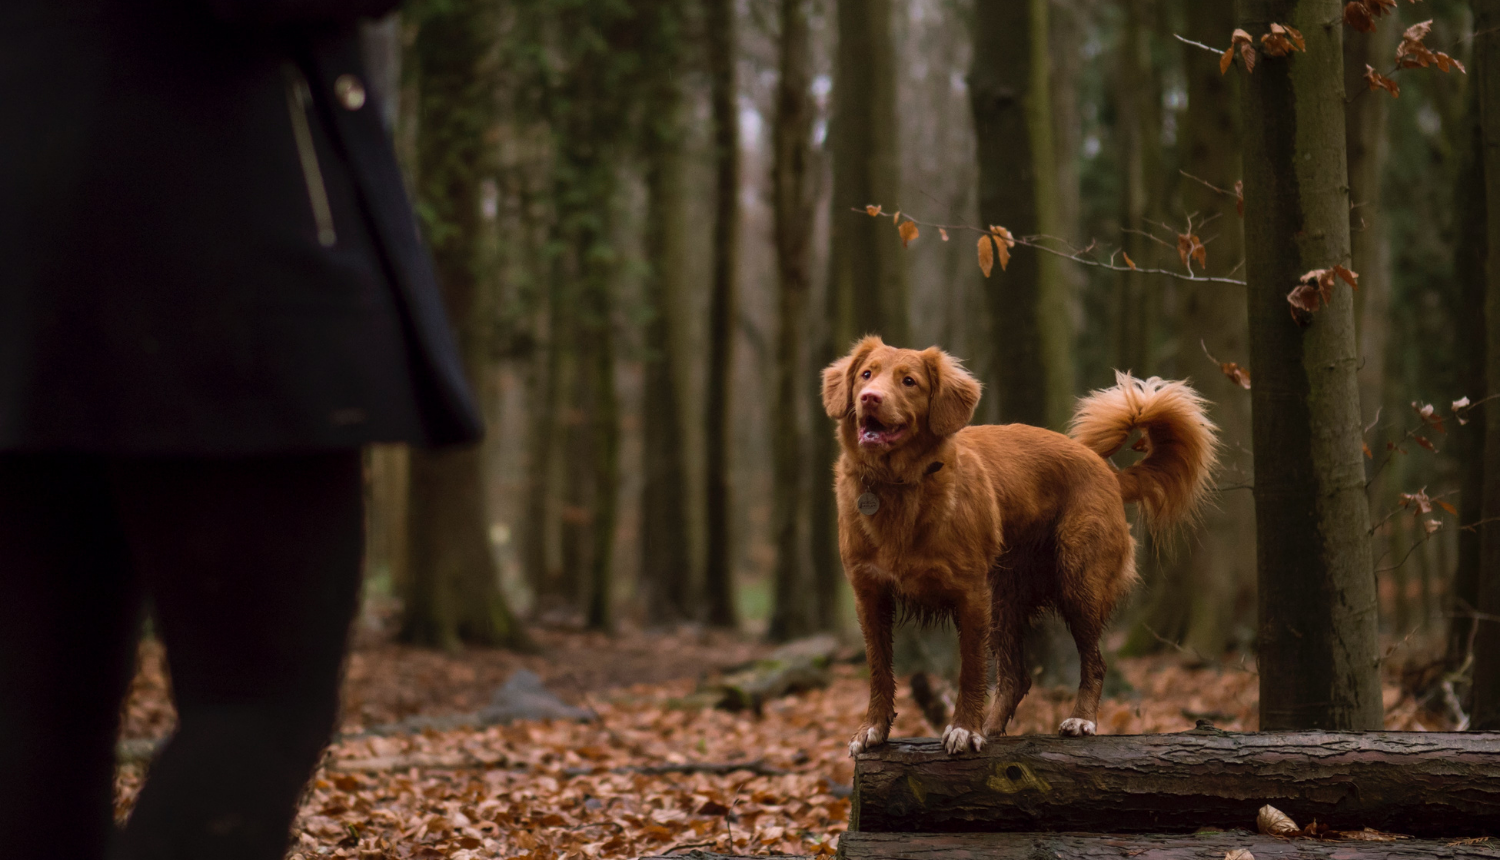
x=1079, y=846
x=1417, y=783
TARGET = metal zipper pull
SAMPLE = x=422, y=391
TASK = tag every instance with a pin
x=298, y=102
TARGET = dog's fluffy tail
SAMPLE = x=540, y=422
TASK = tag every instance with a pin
x=1180, y=442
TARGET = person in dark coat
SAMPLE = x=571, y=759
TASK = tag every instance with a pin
x=212, y=294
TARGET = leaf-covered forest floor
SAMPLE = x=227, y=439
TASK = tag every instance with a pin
x=597, y=789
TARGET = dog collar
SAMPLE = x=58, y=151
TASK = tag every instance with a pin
x=868, y=503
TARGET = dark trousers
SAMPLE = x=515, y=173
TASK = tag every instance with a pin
x=251, y=566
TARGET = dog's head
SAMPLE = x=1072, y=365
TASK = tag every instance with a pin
x=889, y=397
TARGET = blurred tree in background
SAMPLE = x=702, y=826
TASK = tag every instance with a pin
x=644, y=215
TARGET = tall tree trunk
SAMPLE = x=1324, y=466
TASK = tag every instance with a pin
x=718, y=573
x=867, y=279
x=666, y=571
x=599, y=379
x=1029, y=313
x=1469, y=268
x=1487, y=642
x=790, y=186
x=453, y=590
x=1138, y=107
x=1211, y=578
x=868, y=276
x=1368, y=147
x=1318, y=655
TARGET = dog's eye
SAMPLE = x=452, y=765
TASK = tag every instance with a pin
x=909, y=381
x=865, y=375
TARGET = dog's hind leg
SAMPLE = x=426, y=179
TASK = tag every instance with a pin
x=1086, y=633
x=1012, y=681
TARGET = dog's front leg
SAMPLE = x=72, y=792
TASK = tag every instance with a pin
x=877, y=617
x=972, y=617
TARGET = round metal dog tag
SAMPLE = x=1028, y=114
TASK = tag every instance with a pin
x=868, y=504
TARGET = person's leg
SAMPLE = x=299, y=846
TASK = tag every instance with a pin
x=69, y=614
x=253, y=567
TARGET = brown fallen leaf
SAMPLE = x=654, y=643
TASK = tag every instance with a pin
x=1273, y=822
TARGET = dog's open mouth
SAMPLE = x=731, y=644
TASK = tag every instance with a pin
x=872, y=433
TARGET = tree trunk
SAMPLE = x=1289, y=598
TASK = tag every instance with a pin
x=599, y=378
x=718, y=574
x=1210, y=584
x=790, y=186
x=453, y=592
x=1469, y=268
x=1368, y=147
x=1418, y=783
x=1139, y=125
x=666, y=571
x=1318, y=655
x=1487, y=642
x=1029, y=306
x=1080, y=846
x=867, y=280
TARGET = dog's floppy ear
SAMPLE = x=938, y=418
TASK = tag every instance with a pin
x=955, y=394
x=838, y=378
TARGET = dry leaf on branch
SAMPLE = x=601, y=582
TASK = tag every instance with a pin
x=1428, y=413
x=1004, y=241
x=873, y=210
x=1361, y=14
x=1461, y=406
x=1419, y=501
x=1190, y=247
x=1273, y=822
x=1316, y=289
x=909, y=232
x=1378, y=81
x=943, y=233
x=986, y=255
x=1242, y=42
x=1129, y=262
x=1282, y=40
x=1238, y=375
x=1412, y=53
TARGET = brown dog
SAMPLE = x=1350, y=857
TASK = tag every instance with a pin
x=991, y=525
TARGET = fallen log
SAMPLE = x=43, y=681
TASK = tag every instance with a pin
x=1093, y=846
x=1418, y=783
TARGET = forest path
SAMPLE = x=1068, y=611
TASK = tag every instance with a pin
x=597, y=789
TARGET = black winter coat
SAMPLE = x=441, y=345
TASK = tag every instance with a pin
x=205, y=245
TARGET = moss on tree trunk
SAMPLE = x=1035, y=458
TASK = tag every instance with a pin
x=1318, y=655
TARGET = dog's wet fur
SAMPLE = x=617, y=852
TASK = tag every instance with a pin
x=991, y=525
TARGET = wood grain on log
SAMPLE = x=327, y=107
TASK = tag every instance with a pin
x=1418, y=783
x=1090, y=846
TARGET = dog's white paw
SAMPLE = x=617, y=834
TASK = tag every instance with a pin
x=867, y=739
x=1073, y=727
x=956, y=740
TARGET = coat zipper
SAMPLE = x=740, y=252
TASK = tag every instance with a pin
x=298, y=101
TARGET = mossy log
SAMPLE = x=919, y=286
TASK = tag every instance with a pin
x=1416, y=783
